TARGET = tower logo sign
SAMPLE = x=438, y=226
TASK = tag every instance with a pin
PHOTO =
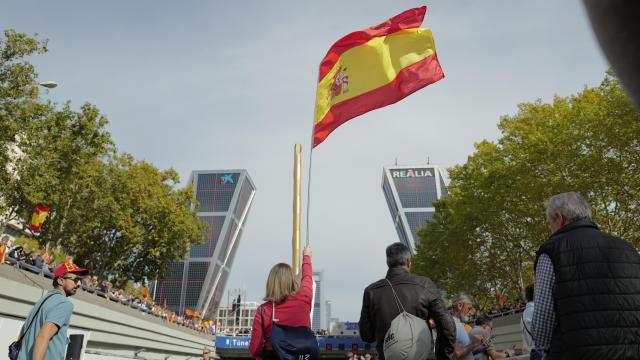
x=411, y=173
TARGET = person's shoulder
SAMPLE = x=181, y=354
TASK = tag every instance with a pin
x=57, y=299
x=376, y=284
x=421, y=280
x=477, y=330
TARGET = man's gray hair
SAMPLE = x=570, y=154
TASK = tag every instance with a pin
x=570, y=204
x=461, y=297
x=398, y=254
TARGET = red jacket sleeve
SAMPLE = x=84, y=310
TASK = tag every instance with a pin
x=306, y=283
x=257, y=337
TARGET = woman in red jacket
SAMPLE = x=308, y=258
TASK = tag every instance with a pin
x=292, y=305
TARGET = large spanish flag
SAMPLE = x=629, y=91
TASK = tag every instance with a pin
x=372, y=68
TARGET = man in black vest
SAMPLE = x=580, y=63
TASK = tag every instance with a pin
x=587, y=289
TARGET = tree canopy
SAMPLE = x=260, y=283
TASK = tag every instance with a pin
x=123, y=219
x=485, y=233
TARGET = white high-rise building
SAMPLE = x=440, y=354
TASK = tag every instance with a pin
x=318, y=321
x=327, y=313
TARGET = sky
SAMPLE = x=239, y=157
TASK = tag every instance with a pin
x=197, y=85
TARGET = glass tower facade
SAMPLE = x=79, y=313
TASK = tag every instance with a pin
x=318, y=320
x=410, y=192
x=198, y=282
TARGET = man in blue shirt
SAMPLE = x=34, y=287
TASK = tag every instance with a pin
x=45, y=329
x=464, y=346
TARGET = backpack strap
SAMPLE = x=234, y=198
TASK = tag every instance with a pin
x=33, y=318
x=398, y=303
x=273, y=312
x=264, y=334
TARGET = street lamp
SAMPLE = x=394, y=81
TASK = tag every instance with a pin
x=48, y=84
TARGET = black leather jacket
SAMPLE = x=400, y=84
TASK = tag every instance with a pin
x=419, y=296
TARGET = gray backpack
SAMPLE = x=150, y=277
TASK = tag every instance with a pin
x=408, y=337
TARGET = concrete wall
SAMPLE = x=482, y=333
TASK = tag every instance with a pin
x=110, y=329
x=508, y=332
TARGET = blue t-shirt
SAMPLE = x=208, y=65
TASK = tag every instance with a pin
x=462, y=338
x=57, y=309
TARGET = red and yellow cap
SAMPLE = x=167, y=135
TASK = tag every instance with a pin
x=69, y=267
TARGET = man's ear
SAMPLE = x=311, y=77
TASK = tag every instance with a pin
x=564, y=219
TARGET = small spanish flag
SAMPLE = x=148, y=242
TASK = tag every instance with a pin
x=373, y=68
x=188, y=313
x=38, y=217
x=146, y=294
x=3, y=252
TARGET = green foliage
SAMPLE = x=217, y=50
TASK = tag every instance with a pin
x=124, y=219
x=27, y=243
x=18, y=97
x=128, y=221
x=485, y=234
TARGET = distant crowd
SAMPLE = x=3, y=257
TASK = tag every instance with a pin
x=40, y=261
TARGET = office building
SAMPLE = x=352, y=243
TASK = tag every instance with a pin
x=236, y=320
x=327, y=313
x=410, y=192
x=318, y=320
x=198, y=282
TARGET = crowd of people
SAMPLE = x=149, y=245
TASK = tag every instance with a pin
x=597, y=303
x=585, y=279
x=39, y=259
x=505, y=309
x=42, y=262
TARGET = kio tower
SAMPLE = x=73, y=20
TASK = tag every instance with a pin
x=410, y=192
x=199, y=281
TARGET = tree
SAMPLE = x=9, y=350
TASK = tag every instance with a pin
x=122, y=218
x=485, y=233
x=130, y=222
x=59, y=154
x=19, y=103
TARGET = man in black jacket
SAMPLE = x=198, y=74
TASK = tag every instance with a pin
x=419, y=296
x=587, y=289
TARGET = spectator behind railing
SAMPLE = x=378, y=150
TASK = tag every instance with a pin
x=40, y=262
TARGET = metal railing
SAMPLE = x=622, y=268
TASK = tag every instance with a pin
x=45, y=272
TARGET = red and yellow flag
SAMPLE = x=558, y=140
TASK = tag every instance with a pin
x=373, y=68
x=3, y=252
x=38, y=217
x=146, y=294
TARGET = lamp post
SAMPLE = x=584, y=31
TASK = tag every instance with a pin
x=48, y=84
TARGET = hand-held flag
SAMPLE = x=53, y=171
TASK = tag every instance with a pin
x=373, y=68
x=38, y=217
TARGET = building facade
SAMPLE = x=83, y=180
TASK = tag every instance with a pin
x=410, y=192
x=327, y=314
x=198, y=282
x=238, y=321
x=318, y=319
